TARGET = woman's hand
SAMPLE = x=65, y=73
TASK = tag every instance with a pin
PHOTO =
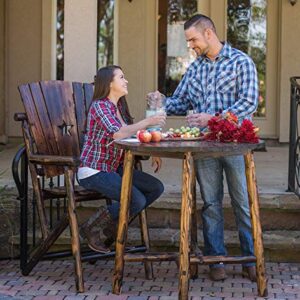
x=158, y=119
x=156, y=162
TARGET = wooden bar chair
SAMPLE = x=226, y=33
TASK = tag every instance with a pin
x=53, y=126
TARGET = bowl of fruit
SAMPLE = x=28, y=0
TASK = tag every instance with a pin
x=185, y=133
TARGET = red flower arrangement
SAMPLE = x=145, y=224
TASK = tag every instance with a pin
x=226, y=129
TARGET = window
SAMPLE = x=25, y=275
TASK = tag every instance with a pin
x=60, y=40
x=247, y=31
x=105, y=33
x=173, y=55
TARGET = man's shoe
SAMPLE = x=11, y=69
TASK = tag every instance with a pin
x=217, y=273
x=249, y=272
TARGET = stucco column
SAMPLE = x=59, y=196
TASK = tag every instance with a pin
x=3, y=137
x=289, y=62
x=80, y=44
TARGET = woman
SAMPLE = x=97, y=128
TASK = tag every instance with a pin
x=102, y=162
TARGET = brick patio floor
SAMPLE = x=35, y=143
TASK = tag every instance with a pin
x=55, y=280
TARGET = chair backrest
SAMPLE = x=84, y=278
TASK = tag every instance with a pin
x=56, y=113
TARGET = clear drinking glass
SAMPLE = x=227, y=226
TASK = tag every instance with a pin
x=155, y=105
x=191, y=112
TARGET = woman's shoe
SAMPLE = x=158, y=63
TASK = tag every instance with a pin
x=91, y=230
x=109, y=229
x=100, y=224
x=93, y=239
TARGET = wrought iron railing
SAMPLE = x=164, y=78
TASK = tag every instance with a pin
x=294, y=145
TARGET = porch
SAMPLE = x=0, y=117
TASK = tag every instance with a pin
x=279, y=209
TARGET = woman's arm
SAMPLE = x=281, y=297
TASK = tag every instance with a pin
x=129, y=130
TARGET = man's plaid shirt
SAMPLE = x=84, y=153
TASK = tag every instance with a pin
x=227, y=84
x=98, y=152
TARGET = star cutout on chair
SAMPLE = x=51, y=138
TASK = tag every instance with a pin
x=65, y=129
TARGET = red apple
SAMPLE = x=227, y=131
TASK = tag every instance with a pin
x=144, y=136
x=156, y=136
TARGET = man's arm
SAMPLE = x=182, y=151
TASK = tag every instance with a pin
x=179, y=102
x=247, y=98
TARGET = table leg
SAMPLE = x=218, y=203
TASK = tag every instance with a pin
x=123, y=222
x=194, y=226
x=256, y=226
x=186, y=207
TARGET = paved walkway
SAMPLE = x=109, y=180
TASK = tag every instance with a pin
x=54, y=280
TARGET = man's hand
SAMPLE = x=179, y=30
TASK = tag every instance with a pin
x=155, y=99
x=198, y=120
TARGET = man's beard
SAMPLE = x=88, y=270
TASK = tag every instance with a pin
x=202, y=52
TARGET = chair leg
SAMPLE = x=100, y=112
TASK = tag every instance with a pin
x=44, y=245
x=74, y=230
x=256, y=226
x=146, y=241
x=39, y=202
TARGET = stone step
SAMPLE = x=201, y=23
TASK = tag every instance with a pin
x=277, y=212
x=279, y=245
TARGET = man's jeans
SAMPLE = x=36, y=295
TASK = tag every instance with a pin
x=145, y=189
x=210, y=177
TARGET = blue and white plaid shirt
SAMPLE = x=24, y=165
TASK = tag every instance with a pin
x=227, y=84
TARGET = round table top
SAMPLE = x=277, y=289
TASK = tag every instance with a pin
x=195, y=147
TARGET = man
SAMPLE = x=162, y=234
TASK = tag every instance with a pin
x=221, y=79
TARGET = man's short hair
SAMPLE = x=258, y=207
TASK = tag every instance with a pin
x=200, y=21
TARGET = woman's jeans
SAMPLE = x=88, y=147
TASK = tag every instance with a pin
x=145, y=189
x=210, y=177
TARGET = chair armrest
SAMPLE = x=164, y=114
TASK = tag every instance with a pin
x=20, y=117
x=55, y=160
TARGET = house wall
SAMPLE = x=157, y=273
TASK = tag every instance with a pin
x=23, y=32
x=48, y=42
x=2, y=104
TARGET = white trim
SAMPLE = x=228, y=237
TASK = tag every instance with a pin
x=156, y=43
x=116, y=33
x=48, y=53
x=6, y=68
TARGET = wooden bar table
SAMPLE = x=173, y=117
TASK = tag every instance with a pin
x=189, y=252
